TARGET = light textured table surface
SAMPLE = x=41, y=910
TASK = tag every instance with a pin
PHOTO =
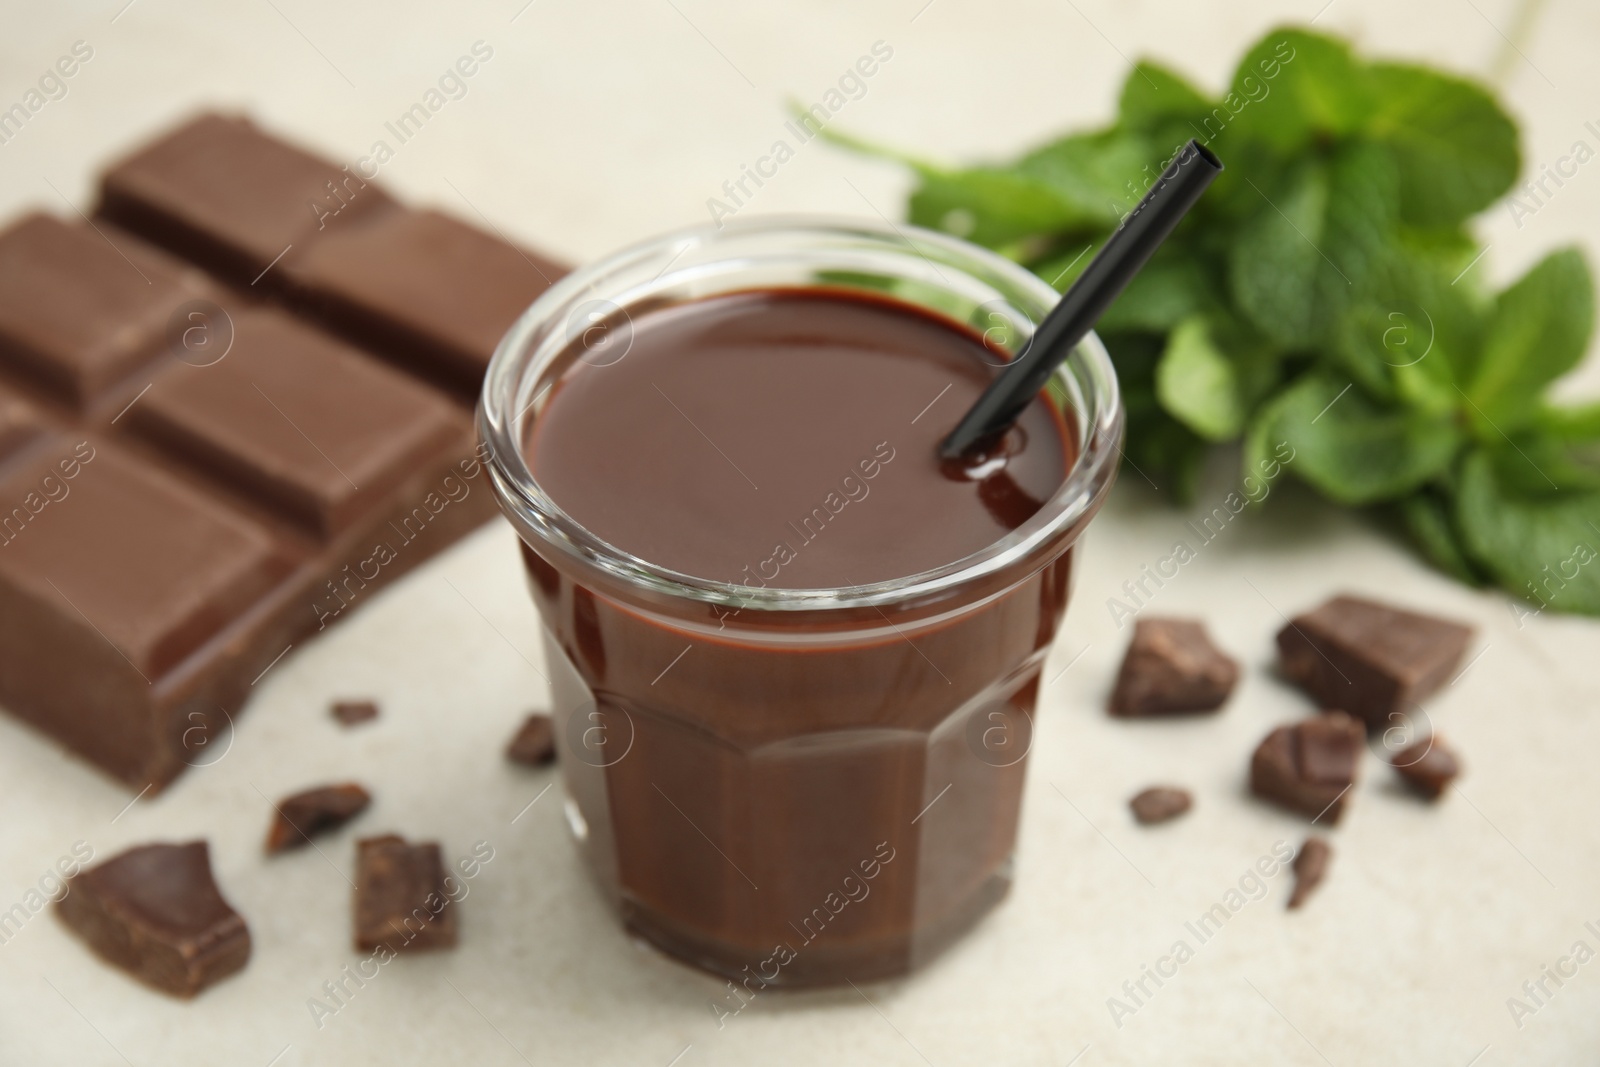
x=594, y=124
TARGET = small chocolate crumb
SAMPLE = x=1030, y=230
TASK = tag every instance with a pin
x=1370, y=659
x=1309, y=767
x=314, y=811
x=401, y=900
x=156, y=912
x=1160, y=803
x=1310, y=868
x=1172, y=667
x=1427, y=766
x=351, y=712
x=535, y=743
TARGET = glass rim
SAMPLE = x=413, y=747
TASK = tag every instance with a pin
x=503, y=416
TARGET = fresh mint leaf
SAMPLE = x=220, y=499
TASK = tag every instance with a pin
x=1081, y=183
x=1392, y=345
x=1355, y=452
x=1370, y=340
x=1197, y=385
x=1537, y=464
x=1262, y=445
x=1170, y=289
x=1576, y=423
x=1276, y=259
x=1427, y=386
x=1102, y=175
x=1428, y=519
x=990, y=206
x=1456, y=148
x=1363, y=209
x=1428, y=283
x=1316, y=246
x=1539, y=331
x=1161, y=105
x=1542, y=548
x=1164, y=453
x=1294, y=89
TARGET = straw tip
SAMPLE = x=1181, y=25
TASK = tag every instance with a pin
x=1205, y=154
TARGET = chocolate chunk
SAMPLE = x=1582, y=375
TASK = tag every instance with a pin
x=1310, y=867
x=1427, y=766
x=401, y=898
x=1369, y=659
x=156, y=912
x=1309, y=767
x=314, y=811
x=1160, y=803
x=535, y=743
x=351, y=712
x=1172, y=667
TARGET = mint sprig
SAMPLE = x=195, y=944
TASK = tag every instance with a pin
x=1325, y=294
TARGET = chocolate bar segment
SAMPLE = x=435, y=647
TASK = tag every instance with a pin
x=222, y=193
x=1172, y=667
x=402, y=900
x=156, y=912
x=299, y=419
x=112, y=571
x=178, y=565
x=437, y=294
x=1370, y=659
x=77, y=313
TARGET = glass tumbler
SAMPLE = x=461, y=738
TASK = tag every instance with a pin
x=826, y=784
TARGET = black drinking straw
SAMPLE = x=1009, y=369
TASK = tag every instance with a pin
x=1127, y=250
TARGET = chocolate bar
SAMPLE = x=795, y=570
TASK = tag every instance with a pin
x=1370, y=659
x=196, y=473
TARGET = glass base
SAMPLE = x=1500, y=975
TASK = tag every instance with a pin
x=802, y=964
